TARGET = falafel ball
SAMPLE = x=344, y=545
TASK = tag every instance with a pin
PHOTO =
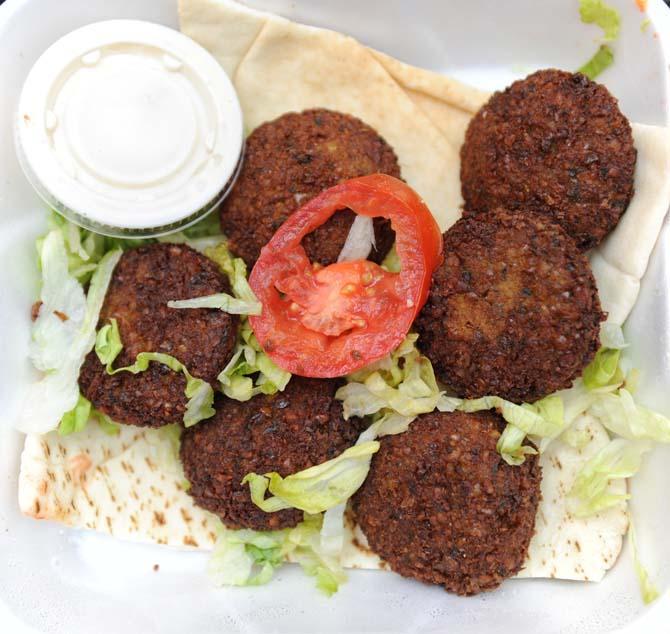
x=554, y=143
x=513, y=309
x=285, y=432
x=144, y=280
x=440, y=504
x=291, y=160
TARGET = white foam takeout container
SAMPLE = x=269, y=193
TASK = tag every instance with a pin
x=58, y=580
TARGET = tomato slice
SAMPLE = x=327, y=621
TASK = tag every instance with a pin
x=330, y=321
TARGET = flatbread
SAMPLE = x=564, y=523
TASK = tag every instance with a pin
x=120, y=484
x=125, y=485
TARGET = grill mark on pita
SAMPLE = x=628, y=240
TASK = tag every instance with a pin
x=159, y=518
x=186, y=516
x=150, y=463
x=212, y=537
x=189, y=541
x=46, y=449
x=128, y=468
x=108, y=519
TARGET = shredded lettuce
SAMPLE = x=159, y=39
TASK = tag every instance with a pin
x=609, y=20
x=404, y=384
x=403, y=381
x=318, y=488
x=235, y=269
x=603, y=370
x=601, y=14
x=199, y=393
x=108, y=344
x=391, y=262
x=106, y=423
x=619, y=413
x=222, y=301
x=601, y=60
x=648, y=589
x=85, y=248
x=250, y=371
x=590, y=492
x=244, y=302
x=247, y=558
x=611, y=336
x=59, y=350
x=76, y=419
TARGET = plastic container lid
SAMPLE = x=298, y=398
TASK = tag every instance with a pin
x=129, y=128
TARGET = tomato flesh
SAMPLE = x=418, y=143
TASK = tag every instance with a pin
x=330, y=321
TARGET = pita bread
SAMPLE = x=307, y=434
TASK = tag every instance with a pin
x=119, y=484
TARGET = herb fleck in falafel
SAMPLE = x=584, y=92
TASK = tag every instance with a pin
x=554, y=143
x=288, y=162
x=144, y=280
x=440, y=505
x=513, y=310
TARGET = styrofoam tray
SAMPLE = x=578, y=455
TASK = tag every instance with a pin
x=58, y=580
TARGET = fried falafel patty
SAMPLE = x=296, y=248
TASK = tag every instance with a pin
x=144, y=280
x=285, y=432
x=513, y=310
x=440, y=504
x=288, y=162
x=554, y=143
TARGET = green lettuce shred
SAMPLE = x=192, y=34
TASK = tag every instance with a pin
x=603, y=15
x=404, y=384
x=222, y=301
x=391, y=262
x=108, y=344
x=648, y=589
x=603, y=370
x=601, y=60
x=590, y=493
x=609, y=20
x=105, y=423
x=318, y=488
x=62, y=335
x=199, y=392
x=403, y=381
x=85, y=248
x=249, y=558
x=250, y=371
x=244, y=302
x=76, y=419
x=620, y=414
